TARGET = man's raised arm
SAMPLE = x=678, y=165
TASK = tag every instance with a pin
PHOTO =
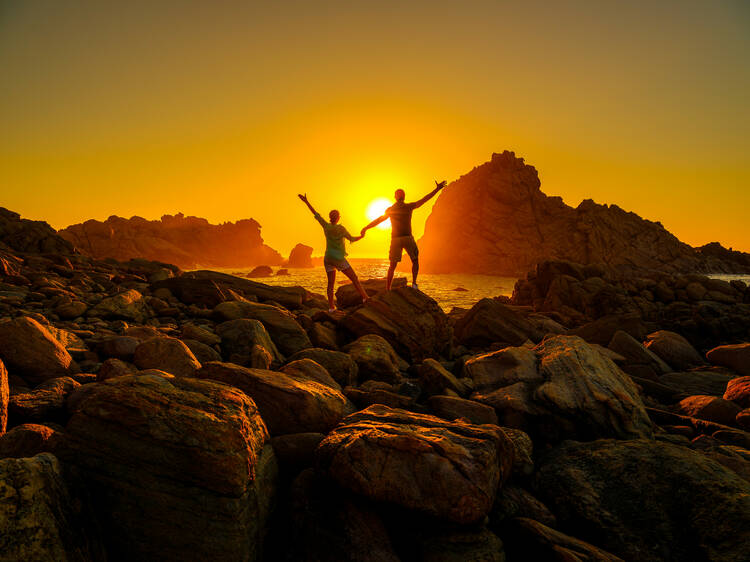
x=376, y=222
x=431, y=194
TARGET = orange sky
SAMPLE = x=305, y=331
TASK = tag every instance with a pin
x=226, y=110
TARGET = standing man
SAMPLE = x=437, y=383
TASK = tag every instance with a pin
x=401, y=236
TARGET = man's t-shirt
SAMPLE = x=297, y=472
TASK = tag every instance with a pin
x=335, y=234
x=400, y=215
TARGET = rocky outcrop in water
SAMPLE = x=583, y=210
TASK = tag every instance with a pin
x=496, y=220
x=300, y=256
x=188, y=242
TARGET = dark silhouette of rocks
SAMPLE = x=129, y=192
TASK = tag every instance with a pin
x=23, y=235
x=188, y=242
x=300, y=256
x=598, y=301
x=496, y=220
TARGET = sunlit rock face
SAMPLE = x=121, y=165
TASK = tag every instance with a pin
x=188, y=242
x=496, y=220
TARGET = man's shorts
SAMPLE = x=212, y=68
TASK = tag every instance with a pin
x=401, y=243
x=332, y=264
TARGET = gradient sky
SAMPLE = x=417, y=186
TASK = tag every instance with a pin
x=226, y=110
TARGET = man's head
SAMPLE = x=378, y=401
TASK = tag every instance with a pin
x=399, y=195
x=334, y=216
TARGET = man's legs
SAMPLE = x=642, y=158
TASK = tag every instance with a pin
x=411, y=248
x=389, y=278
x=331, y=280
x=349, y=272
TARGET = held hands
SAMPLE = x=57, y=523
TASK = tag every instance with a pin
x=362, y=233
x=357, y=238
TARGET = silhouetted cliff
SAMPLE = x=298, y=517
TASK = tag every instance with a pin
x=496, y=220
x=188, y=242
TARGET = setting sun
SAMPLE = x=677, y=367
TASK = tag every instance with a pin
x=376, y=209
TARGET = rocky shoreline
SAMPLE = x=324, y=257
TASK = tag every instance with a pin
x=151, y=414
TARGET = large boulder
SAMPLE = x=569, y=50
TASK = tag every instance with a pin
x=29, y=350
x=284, y=330
x=45, y=403
x=39, y=517
x=490, y=321
x=348, y=296
x=735, y=357
x=674, y=349
x=639, y=361
x=129, y=305
x=29, y=439
x=709, y=408
x=436, y=379
x=339, y=365
x=449, y=470
x=240, y=339
x=491, y=371
x=287, y=404
x=375, y=359
x=451, y=408
x=166, y=354
x=4, y=395
x=300, y=256
x=413, y=323
x=647, y=500
x=738, y=391
x=309, y=370
x=565, y=390
x=177, y=467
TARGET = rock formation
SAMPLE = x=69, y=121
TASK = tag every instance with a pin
x=496, y=220
x=23, y=235
x=300, y=256
x=188, y=242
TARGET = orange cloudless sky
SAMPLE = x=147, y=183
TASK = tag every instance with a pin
x=227, y=110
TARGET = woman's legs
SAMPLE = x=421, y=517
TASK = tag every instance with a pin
x=349, y=272
x=331, y=280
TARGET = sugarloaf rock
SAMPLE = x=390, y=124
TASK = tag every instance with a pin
x=496, y=220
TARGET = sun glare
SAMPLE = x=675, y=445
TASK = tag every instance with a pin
x=376, y=209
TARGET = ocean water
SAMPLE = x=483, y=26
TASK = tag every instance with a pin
x=725, y=277
x=441, y=287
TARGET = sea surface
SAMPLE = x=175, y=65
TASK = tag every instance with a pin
x=440, y=286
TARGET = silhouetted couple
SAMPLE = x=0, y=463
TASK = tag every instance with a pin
x=401, y=239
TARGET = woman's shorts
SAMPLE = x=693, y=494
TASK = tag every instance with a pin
x=401, y=243
x=332, y=264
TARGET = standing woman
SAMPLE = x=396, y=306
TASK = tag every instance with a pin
x=335, y=256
